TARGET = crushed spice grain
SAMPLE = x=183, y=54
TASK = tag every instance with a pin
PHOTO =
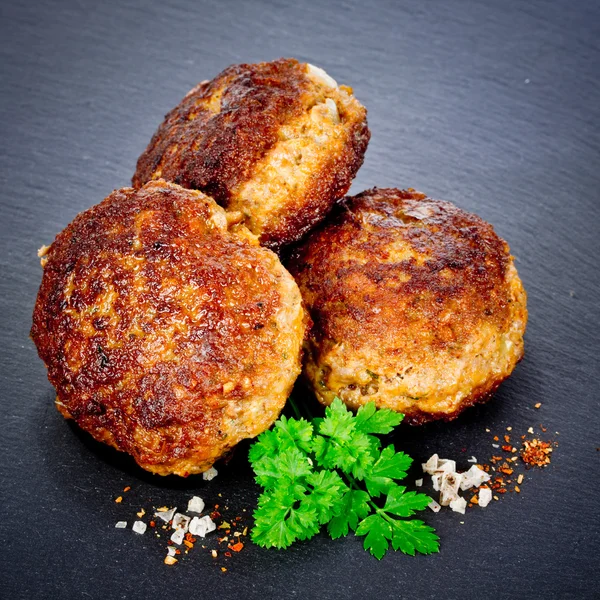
x=536, y=452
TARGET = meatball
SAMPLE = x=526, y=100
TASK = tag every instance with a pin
x=168, y=332
x=278, y=141
x=416, y=305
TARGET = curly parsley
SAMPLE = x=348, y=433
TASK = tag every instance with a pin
x=332, y=471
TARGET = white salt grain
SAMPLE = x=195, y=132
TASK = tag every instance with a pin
x=121, y=524
x=196, y=504
x=477, y=476
x=431, y=465
x=210, y=474
x=485, y=497
x=177, y=537
x=181, y=522
x=139, y=527
x=458, y=505
x=419, y=482
x=200, y=526
x=165, y=515
x=434, y=506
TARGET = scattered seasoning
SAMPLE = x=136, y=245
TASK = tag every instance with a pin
x=538, y=405
x=520, y=478
x=126, y=488
x=183, y=530
x=536, y=452
x=119, y=499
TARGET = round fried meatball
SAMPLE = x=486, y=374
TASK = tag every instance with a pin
x=416, y=304
x=168, y=332
x=277, y=141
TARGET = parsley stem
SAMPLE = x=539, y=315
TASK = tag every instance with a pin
x=295, y=407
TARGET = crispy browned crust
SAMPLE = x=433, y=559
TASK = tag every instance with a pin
x=167, y=332
x=215, y=138
x=397, y=279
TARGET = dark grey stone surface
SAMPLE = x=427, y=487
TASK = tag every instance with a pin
x=492, y=105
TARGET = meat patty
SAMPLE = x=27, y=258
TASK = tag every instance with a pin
x=168, y=332
x=277, y=141
x=416, y=305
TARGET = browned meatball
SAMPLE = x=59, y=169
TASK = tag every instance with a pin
x=416, y=305
x=168, y=332
x=277, y=141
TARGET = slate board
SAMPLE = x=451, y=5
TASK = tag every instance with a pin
x=492, y=105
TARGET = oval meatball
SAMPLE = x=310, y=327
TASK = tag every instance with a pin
x=416, y=305
x=278, y=141
x=168, y=332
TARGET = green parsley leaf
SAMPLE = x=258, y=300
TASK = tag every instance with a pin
x=326, y=495
x=313, y=474
x=370, y=420
x=289, y=466
x=294, y=432
x=378, y=532
x=409, y=536
x=354, y=506
x=338, y=422
x=401, y=503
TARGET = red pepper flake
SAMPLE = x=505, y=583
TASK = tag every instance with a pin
x=228, y=554
x=507, y=448
x=538, y=405
x=501, y=491
x=188, y=544
x=237, y=547
x=536, y=452
x=119, y=499
x=152, y=524
x=496, y=438
x=127, y=488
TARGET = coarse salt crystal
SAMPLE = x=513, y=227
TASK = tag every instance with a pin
x=434, y=506
x=181, y=522
x=495, y=445
x=419, y=482
x=436, y=480
x=171, y=551
x=210, y=474
x=121, y=524
x=446, y=466
x=196, y=504
x=458, y=505
x=449, y=488
x=485, y=496
x=431, y=465
x=477, y=476
x=466, y=482
x=200, y=526
x=177, y=537
x=139, y=527
x=165, y=515
x=472, y=459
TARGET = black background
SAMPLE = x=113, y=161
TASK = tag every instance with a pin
x=491, y=105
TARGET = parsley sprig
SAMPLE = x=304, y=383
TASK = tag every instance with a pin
x=332, y=471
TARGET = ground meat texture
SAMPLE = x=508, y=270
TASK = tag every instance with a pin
x=277, y=141
x=168, y=332
x=416, y=304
